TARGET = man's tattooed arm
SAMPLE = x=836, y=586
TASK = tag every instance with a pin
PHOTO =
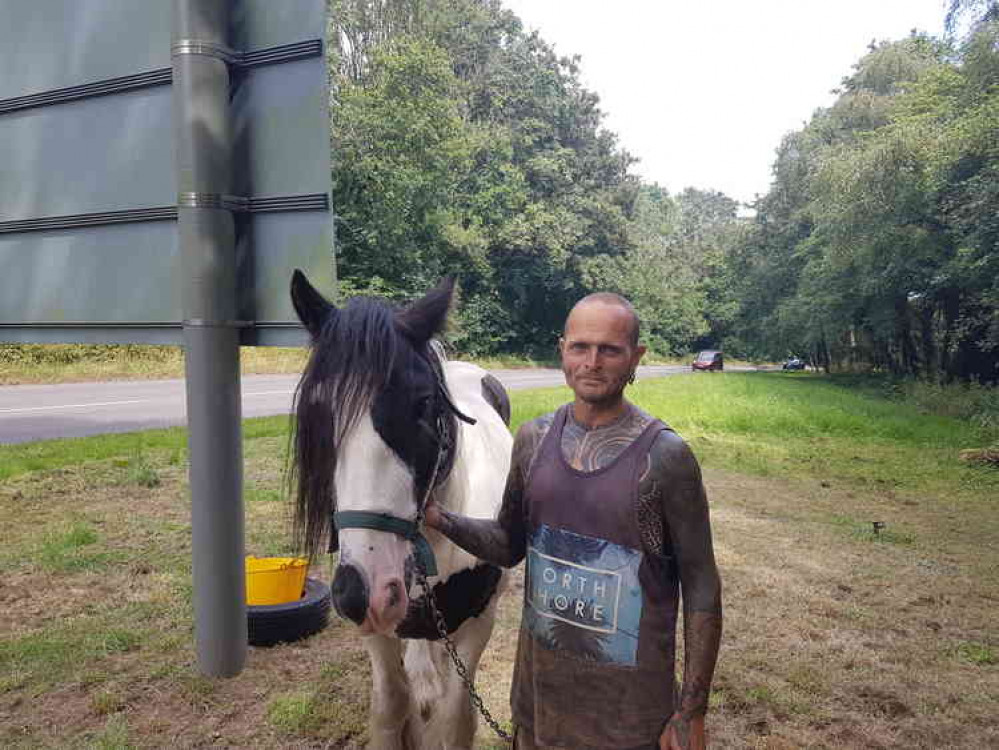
x=685, y=515
x=503, y=541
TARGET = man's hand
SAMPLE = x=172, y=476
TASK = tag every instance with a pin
x=432, y=514
x=683, y=733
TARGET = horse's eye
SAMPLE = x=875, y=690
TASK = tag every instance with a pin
x=421, y=407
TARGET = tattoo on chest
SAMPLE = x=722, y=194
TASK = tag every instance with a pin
x=589, y=450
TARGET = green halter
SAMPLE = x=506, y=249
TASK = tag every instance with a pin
x=361, y=519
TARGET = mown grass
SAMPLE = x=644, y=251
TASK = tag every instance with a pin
x=127, y=449
x=836, y=636
x=808, y=426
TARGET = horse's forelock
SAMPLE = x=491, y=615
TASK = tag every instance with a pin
x=352, y=359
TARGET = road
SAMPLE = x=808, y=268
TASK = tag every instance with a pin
x=45, y=412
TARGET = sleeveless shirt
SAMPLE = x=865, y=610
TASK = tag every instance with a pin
x=595, y=653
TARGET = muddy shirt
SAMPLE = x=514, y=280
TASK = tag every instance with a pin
x=595, y=654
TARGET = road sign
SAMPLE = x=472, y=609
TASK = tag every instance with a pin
x=88, y=182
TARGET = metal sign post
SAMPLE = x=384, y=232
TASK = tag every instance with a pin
x=206, y=230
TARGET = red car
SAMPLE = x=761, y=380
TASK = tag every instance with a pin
x=708, y=360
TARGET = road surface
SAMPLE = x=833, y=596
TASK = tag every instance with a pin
x=45, y=412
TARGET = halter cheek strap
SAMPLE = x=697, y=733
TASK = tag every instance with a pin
x=410, y=530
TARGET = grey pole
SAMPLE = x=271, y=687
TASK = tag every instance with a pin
x=211, y=337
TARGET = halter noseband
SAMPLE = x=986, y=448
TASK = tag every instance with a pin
x=410, y=530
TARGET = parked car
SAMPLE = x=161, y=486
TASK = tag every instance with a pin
x=708, y=360
x=793, y=363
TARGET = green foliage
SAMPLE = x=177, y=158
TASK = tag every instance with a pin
x=877, y=247
x=466, y=146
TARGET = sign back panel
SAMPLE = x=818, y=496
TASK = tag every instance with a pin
x=88, y=238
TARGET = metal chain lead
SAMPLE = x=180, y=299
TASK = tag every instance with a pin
x=439, y=622
x=459, y=665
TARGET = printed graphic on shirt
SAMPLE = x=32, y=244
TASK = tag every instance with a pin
x=583, y=595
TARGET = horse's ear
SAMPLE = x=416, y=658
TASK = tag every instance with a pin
x=427, y=316
x=312, y=308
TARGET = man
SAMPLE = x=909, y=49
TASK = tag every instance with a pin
x=606, y=502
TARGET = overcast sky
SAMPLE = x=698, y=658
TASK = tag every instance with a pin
x=702, y=92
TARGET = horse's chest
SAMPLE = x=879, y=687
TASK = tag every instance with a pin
x=463, y=595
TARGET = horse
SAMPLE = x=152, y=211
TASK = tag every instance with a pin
x=383, y=424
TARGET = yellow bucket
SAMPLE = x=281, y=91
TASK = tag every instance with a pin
x=275, y=580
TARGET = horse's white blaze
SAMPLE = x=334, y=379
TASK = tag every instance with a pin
x=371, y=477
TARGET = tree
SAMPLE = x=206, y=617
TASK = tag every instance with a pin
x=876, y=243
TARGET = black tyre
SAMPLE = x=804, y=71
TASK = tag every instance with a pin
x=292, y=621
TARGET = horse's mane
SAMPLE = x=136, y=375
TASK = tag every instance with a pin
x=353, y=355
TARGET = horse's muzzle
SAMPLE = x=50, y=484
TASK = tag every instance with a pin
x=376, y=609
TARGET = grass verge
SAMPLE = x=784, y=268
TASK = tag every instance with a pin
x=836, y=635
x=67, y=363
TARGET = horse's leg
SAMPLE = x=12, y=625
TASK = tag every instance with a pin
x=457, y=716
x=390, y=698
x=423, y=662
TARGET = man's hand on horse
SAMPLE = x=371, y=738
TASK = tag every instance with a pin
x=432, y=515
x=683, y=733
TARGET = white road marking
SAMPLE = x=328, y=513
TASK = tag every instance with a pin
x=25, y=410
x=73, y=406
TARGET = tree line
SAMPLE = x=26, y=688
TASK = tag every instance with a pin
x=464, y=144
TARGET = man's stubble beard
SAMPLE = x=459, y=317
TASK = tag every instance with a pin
x=615, y=395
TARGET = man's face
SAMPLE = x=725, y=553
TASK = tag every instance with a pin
x=597, y=354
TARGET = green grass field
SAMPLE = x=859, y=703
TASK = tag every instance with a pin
x=836, y=636
x=807, y=427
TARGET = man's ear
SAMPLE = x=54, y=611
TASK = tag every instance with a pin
x=311, y=307
x=427, y=316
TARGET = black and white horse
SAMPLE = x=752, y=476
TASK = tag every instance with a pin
x=383, y=422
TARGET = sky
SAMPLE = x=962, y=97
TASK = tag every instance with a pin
x=702, y=92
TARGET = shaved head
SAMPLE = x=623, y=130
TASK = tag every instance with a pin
x=609, y=298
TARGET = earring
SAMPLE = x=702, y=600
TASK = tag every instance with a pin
x=631, y=378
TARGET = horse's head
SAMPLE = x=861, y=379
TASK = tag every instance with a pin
x=374, y=426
